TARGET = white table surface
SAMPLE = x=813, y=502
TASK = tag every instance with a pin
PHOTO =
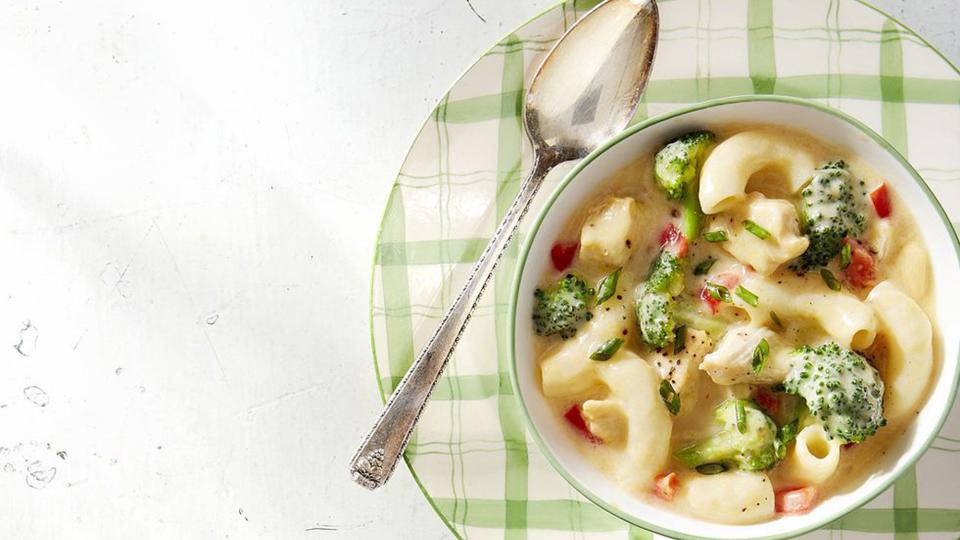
x=191, y=194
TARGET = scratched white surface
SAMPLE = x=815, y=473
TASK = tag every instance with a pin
x=189, y=196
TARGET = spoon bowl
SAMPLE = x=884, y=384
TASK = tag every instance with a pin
x=588, y=87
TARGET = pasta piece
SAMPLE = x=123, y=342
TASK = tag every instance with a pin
x=610, y=232
x=732, y=361
x=734, y=497
x=726, y=172
x=634, y=386
x=814, y=457
x=902, y=256
x=909, y=356
x=606, y=419
x=612, y=319
x=840, y=314
x=681, y=368
x=567, y=370
x=910, y=270
x=778, y=217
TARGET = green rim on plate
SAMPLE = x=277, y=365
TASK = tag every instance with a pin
x=471, y=453
x=585, y=162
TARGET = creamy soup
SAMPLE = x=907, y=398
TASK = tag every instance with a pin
x=736, y=325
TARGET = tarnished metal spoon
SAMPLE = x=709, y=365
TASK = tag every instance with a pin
x=585, y=91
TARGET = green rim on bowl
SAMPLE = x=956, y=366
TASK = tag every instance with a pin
x=913, y=456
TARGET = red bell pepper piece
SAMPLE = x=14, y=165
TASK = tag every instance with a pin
x=562, y=254
x=767, y=400
x=796, y=500
x=574, y=415
x=862, y=271
x=881, y=200
x=727, y=279
x=674, y=241
x=666, y=485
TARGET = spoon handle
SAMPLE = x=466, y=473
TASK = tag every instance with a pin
x=374, y=462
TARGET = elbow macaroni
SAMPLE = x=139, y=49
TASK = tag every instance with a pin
x=728, y=169
x=838, y=313
x=731, y=497
x=633, y=385
x=911, y=270
x=909, y=358
x=631, y=412
x=567, y=370
x=814, y=457
x=606, y=419
x=905, y=257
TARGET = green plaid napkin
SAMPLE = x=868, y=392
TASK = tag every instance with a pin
x=471, y=453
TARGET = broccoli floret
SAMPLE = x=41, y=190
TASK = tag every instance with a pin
x=748, y=440
x=655, y=319
x=676, y=170
x=841, y=389
x=654, y=299
x=562, y=308
x=666, y=273
x=832, y=208
x=677, y=163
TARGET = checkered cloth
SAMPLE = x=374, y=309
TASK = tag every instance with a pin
x=471, y=453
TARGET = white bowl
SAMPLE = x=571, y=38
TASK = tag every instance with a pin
x=828, y=125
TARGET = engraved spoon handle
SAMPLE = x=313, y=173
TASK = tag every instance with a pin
x=377, y=457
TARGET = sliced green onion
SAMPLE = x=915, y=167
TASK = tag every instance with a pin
x=690, y=316
x=704, y=267
x=670, y=397
x=608, y=286
x=692, y=215
x=715, y=236
x=606, y=351
x=756, y=230
x=760, y=354
x=776, y=320
x=789, y=431
x=830, y=279
x=719, y=292
x=845, y=256
x=711, y=468
x=747, y=296
x=741, y=417
x=679, y=338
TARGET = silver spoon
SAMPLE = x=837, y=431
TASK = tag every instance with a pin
x=586, y=91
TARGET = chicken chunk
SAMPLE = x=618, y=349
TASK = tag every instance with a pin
x=778, y=218
x=610, y=232
x=732, y=361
